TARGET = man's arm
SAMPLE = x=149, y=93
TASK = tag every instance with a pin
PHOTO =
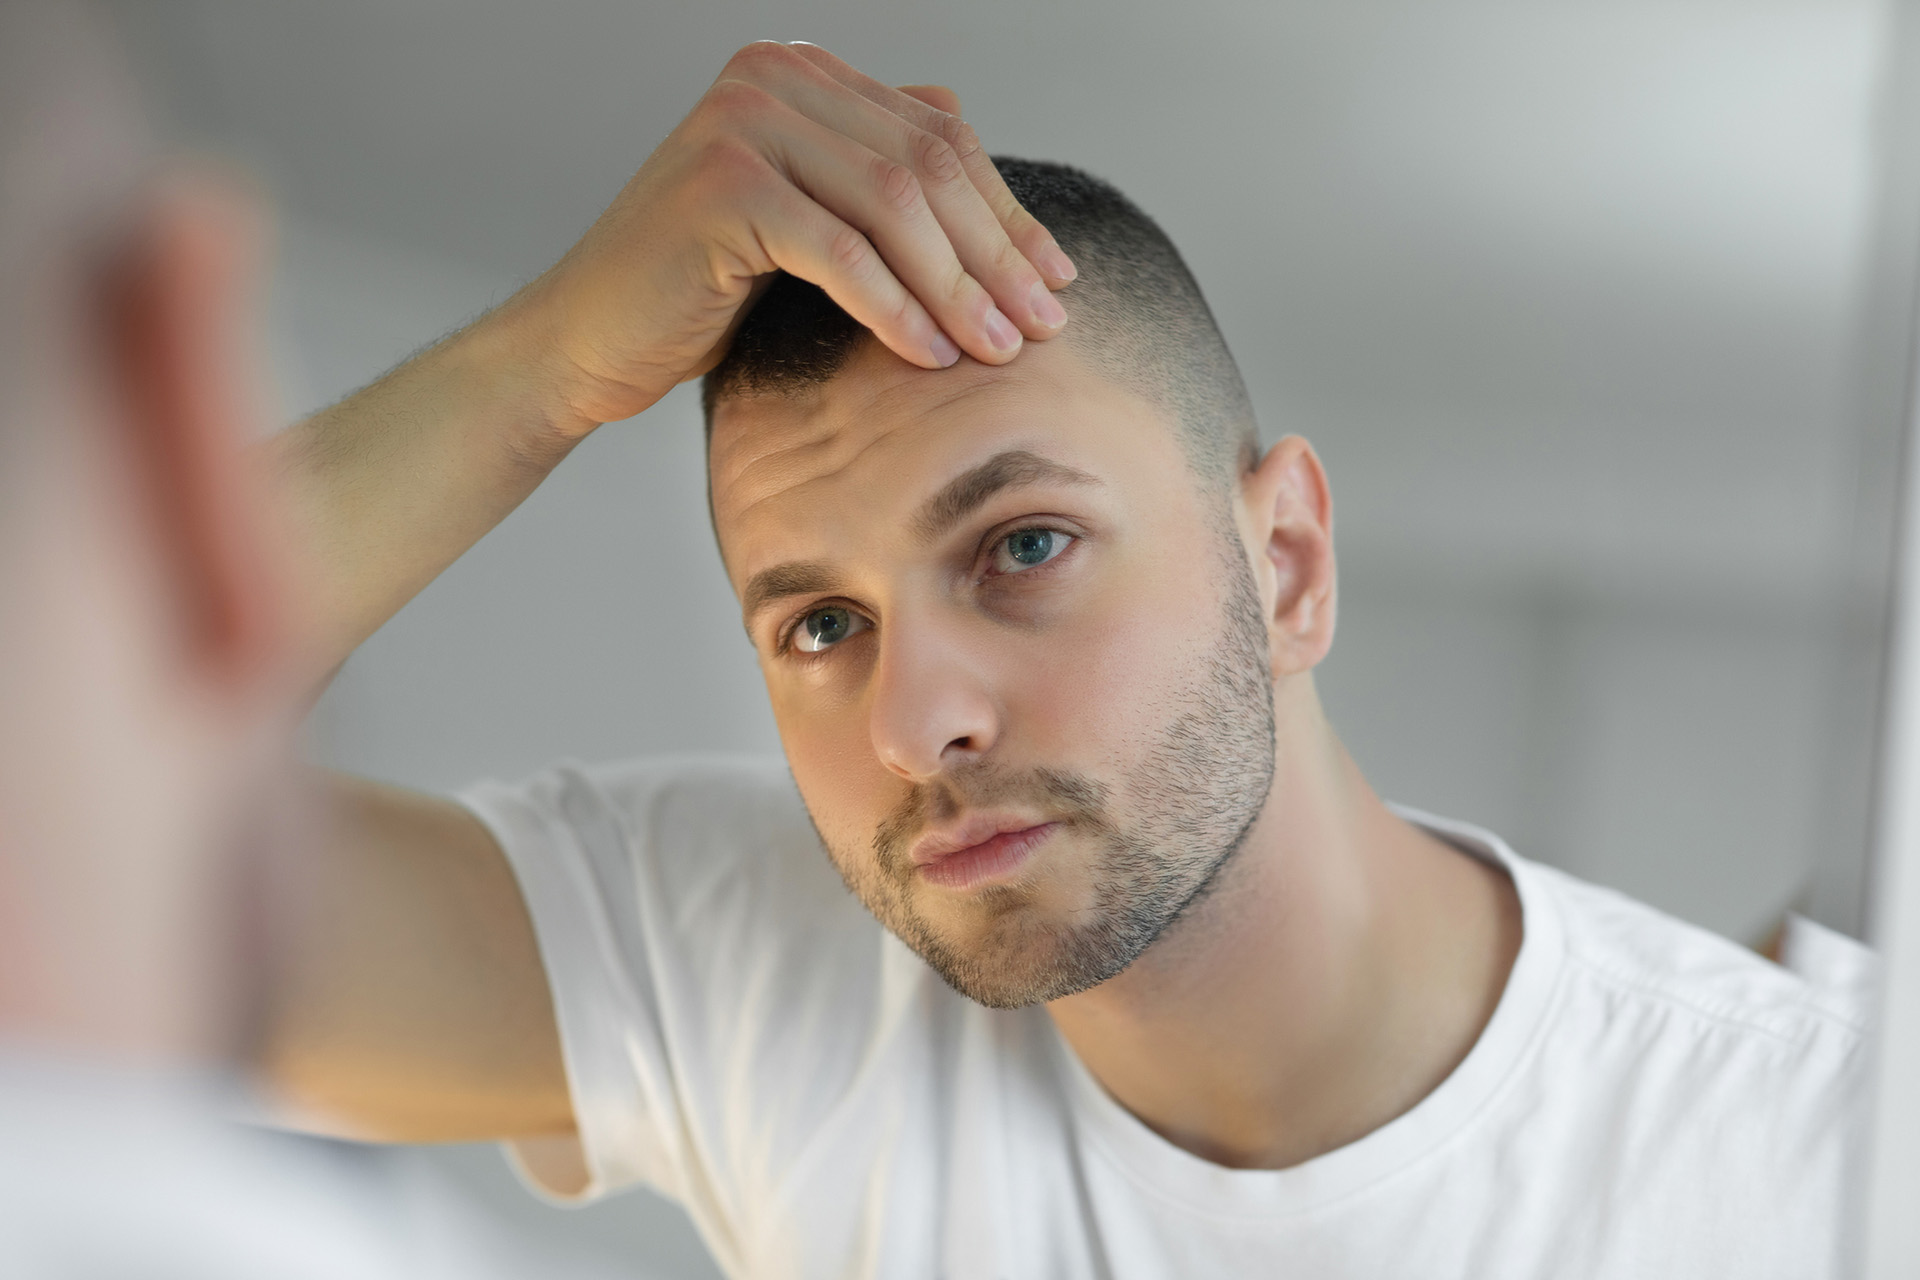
x=410, y=1003
x=390, y=486
x=792, y=161
x=413, y=1004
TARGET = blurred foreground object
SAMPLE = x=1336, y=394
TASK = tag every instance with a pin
x=145, y=820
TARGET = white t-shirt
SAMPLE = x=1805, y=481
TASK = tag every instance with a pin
x=1647, y=1100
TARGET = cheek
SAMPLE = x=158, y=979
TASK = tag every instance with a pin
x=847, y=790
x=1090, y=691
x=1098, y=688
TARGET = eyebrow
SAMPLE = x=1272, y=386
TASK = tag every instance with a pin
x=966, y=492
x=795, y=578
x=957, y=499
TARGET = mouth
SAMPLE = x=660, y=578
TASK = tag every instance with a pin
x=977, y=853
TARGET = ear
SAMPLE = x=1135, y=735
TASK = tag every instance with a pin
x=1287, y=514
x=937, y=96
x=176, y=308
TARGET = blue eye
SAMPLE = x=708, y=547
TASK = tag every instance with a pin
x=1029, y=548
x=824, y=628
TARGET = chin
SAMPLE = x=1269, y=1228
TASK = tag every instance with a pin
x=1019, y=958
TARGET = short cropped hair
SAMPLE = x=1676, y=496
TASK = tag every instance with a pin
x=1137, y=316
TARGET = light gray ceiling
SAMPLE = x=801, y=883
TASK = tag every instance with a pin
x=1560, y=282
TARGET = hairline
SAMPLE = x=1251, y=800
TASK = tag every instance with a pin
x=1211, y=471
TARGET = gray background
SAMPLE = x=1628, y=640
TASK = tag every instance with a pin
x=1568, y=296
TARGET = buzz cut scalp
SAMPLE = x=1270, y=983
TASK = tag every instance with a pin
x=1138, y=317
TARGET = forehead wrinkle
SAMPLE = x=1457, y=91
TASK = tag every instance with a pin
x=904, y=397
x=772, y=457
x=826, y=422
x=820, y=431
x=986, y=379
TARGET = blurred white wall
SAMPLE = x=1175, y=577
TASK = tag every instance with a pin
x=1566, y=295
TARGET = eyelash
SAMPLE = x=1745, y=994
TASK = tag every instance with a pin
x=783, y=641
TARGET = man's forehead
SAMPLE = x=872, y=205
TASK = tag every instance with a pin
x=876, y=401
x=894, y=431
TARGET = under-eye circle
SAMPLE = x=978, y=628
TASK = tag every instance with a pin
x=1025, y=549
x=826, y=627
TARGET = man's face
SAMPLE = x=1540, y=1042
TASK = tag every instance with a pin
x=1014, y=652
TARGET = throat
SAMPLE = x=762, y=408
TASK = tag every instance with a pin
x=1321, y=991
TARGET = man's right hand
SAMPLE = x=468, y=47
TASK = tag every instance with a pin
x=795, y=161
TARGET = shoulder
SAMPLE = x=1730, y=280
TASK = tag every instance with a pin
x=1664, y=1051
x=1693, y=1052
x=697, y=939
x=748, y=789
x=692, y=818
x=694, y=794
x=1630, y=968
x=1701, y=981
x=710, y=810
x=1675, y=1060
x=710, y=859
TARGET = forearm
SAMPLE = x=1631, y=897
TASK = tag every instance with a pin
x=919, y=240
x=390, y=486
x=410, y=1002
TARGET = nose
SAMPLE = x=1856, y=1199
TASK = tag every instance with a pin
x=932, y=707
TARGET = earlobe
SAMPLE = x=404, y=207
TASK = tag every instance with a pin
x=1291, y=506
x=175, y=304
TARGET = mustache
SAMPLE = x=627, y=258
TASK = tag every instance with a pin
x=1070, y=798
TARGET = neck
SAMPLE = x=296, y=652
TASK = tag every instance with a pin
x=1343, y=964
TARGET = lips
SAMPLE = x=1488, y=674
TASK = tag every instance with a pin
x=978, y=851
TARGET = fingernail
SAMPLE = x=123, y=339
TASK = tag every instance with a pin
x=1056, y=265
x=944, y=351
x=1000, y=331
x=1046, y=308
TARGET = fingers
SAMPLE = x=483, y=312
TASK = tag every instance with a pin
x=883, y=200
x=937, y=96
x=931, y=171
x=948, y=261
x=1021, y=228
x=804, y=239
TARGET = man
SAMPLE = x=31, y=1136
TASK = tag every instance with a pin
x=150, y=841
x=1163, y=988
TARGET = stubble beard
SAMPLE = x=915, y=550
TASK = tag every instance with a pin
x=1159, y=840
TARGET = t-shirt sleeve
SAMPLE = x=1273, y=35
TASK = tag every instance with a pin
x=1832, y=963
x=692, y=930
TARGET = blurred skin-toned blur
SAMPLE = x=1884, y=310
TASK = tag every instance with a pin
x=142, y=584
